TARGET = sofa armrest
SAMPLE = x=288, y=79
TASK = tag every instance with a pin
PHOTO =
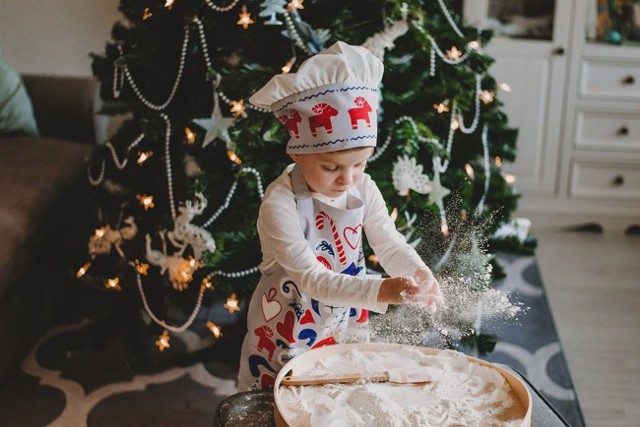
x=63, y=106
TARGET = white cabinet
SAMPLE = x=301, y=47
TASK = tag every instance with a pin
x=576, y=104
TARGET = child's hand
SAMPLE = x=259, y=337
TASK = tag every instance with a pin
x=399, y=290
x=429, y=289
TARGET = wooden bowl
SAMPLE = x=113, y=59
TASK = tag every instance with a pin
x=303, y=363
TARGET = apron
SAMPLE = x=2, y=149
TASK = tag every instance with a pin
x=283, y=321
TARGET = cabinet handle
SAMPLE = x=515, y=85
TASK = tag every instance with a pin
x=559, y=51
x=623, y=131
x=629, y=80
x=618, y=180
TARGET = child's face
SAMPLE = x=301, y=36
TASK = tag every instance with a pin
x=333, y=173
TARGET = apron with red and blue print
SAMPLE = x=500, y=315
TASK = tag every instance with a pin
x=283, y=321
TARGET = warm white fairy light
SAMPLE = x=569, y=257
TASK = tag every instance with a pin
x=373, y=258
x=470, y=171
x=214, y=329
x=145, y=201
x=474, y=44
x=190, y=137
x=454, y=53
x=207, y=283
x=295, y=5
x=113, y=284
x=146, y=14
x=487, y=96
x=169, y=4
x=143, y=156
x=498, y=161
x=142, y=268
x=100, y=232
x=394, y=214
x=444, y=227
x=455, y=123
x=245, y=18
x=238, y=108
x=232, y=304
x=287, y=67
x=234, y=157
x=505, y=87
x=443, y=107
x=83, y=270
x=510, y=178
x=163, y=341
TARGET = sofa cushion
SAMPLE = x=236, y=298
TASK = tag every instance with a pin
x=16, y=111
x=39, y=182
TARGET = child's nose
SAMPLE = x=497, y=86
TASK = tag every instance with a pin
x=346, y=178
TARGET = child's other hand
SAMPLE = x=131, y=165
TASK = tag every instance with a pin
x=399, y=290
x=431, y=295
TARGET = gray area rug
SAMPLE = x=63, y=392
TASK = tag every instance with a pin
x=76, y=377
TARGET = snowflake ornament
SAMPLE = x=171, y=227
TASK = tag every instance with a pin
x=407, y=175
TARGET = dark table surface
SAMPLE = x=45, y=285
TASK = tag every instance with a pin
x=255, y=409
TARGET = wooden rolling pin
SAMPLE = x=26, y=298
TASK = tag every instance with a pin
x=395, y=375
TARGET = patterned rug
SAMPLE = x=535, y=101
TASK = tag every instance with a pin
x=71, y=378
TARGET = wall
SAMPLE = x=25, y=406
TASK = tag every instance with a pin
x=55, y=36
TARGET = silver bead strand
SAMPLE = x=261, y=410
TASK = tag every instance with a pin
x=167, y=155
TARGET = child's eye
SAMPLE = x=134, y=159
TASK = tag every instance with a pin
x=330, y=168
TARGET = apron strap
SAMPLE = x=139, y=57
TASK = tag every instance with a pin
x=304, y=201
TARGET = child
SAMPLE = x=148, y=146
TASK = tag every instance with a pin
x=313, y=291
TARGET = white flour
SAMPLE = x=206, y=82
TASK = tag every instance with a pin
x=461, y=394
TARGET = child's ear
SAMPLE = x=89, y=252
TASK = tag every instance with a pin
x=294, y=157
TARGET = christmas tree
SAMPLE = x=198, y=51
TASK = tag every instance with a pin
x=179, y=184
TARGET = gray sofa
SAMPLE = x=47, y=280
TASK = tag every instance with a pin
x=43, y=211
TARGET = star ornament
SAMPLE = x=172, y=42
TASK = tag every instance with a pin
x=438, y=192
x=245, y=18
x=217, y=126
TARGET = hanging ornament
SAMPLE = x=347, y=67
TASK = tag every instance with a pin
x=245, y=18
x=232, y=304
x=185, y=233
x=180, y=269
x=384, y=39
x=191, y=166
x=217, y=126
x=141, y=268
x=143, y=156
x=271, y=9
x=105, y=238
x=407, y=175
x=163, y=341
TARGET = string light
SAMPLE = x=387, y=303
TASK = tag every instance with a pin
x=100, y=232
x=146, y=201
x=190, y=136
x=232, y=304
x=444, y=228
x=142, y=268
x=83, y=270
x=233, y=157
x=215, y=329
x=486, y=96
x=374, y=259
x=169, y=4
x=295, y=5
x=505, y=87
x=498, y=161
x=245, y=18
x=238, y=108
x=474, y=45
x=455, y=123
x=143, y=156
x=287, y=67
x=113, y=284
x=146, y=14
x=470, y=171
x=207, y=283
x=163, y=341
x=510, y=178
x=443, y=107
x=454, y=53
x=394, y=214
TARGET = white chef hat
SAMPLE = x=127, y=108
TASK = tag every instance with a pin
x=331, y=103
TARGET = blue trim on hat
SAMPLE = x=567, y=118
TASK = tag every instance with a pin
x=335, y=141
x=315, y=95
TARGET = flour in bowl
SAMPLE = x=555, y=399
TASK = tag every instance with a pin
x=462, y=393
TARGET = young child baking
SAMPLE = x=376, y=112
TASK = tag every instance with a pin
x=313, y=290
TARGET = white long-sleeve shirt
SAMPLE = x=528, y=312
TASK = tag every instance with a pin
x=283, y=242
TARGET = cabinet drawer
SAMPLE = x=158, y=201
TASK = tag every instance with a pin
x=593, y=179
x=610, y=79
x=596, y=129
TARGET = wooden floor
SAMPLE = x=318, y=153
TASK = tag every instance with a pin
x=593, y=284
